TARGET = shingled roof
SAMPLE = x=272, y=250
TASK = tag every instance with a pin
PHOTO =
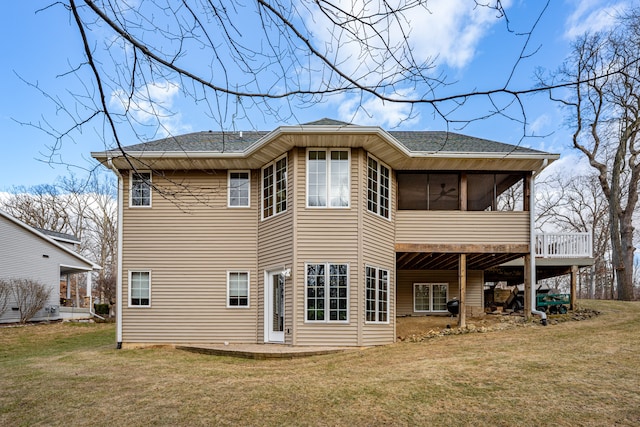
x=415, y=141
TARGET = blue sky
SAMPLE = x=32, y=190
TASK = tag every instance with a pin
x=38, y=48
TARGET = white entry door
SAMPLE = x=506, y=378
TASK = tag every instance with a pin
x=274, y=308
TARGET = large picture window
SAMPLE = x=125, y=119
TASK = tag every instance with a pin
x=377, y=188
x=377, y=294
x=328, y=178
x=238, y=289
x=239, y=189
x=274, y=188
x=139, y=288
x=327, y=292
x=430, y=297
x=140, y=189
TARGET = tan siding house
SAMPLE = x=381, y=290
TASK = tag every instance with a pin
x=309, y=235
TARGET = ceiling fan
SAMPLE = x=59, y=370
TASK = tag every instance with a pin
x=451, y=193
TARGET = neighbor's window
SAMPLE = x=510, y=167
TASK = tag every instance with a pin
x=378, y=188
x=140, y=188
x=430, y=297
x=139, y=288
x=328, y=178
x=274, y=188
x=239, y=186
x=377, y=294
x=238, y=289
x=327, y=290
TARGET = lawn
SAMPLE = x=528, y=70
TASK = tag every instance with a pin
x=571, y=373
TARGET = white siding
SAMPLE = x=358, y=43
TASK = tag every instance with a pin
x=25, y=255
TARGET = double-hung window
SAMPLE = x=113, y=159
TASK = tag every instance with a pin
x=274, y=188
x=430, y=297
x=378, y=188
x=327, y=292
x=238, y=289
x=328, y=178
x=377, y=294
x=140, y=189
x=140, y=288
x=239, y=184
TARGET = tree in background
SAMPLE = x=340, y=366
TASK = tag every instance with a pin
x=604, y=107
x=576, y=204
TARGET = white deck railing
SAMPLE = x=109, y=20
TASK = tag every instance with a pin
x=564, y=245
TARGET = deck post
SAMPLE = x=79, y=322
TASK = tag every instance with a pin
x=527, y=287
x=574, y=279
x=462, y=285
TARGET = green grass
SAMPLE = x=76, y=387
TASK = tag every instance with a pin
x=573, y=373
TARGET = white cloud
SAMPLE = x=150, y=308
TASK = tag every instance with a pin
x=570, y=164
x=453, y=31
x=592, y=16
x=153, y=104
x=539, y=126
x=449, y=31
x=374, y=112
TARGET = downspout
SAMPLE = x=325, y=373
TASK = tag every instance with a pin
x=119, y=276
x=532, y=249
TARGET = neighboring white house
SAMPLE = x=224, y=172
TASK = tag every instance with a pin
x=28, y=253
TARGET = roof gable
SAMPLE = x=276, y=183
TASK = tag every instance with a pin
x=48, y=240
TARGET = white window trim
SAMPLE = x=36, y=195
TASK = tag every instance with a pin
x=328, y=177
x=229, y=272
x=379, y=186
x=286, y=183
x=131, y=205
x=377, y=269
x=431, y=310
x=229, y=205
x=326, y=319
x=129, y=289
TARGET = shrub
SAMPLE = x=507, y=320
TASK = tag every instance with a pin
x=102, y=309
x=30, y=296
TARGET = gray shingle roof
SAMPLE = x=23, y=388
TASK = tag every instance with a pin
x=416, y=141
x=58, y=235
x=453, y=142
x=201, y=141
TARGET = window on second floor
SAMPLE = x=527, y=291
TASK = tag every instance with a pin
x=378, y=188
x=239, y=184
x=328, y=178
x=274, y=188
x=140, y=189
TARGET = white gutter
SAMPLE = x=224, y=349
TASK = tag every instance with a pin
x=119, y=277
x=532, y=247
